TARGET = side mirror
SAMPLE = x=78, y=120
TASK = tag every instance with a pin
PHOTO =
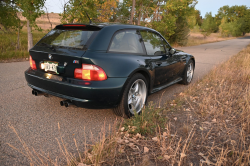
x=172, y=51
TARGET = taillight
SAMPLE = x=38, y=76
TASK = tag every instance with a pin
x=90, y=73
x=32, y=64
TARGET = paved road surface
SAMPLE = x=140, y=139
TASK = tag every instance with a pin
x=36, y=118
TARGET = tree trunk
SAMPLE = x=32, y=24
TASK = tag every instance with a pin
x=18, y=37
x=139, y=16
x=30, y=37
x=132, y=12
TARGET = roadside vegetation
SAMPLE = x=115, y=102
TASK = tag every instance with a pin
x=9, y=49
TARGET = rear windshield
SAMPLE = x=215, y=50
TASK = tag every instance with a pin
x=78, y=39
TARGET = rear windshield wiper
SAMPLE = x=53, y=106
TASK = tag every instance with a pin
x=49, y=46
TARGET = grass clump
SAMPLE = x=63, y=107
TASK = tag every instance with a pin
x=145, y=123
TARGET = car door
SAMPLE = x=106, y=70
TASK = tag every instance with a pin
x=161, y=60
x=177, y=61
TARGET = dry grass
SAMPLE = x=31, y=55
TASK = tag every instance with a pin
x=197, y=38
x=220, y=105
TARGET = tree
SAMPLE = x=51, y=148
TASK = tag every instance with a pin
x=195, y=19
x=209, y=25
x=230, y=28
x=9, y=19
x=235, y=20
x=173, y=23
x=98, y=11
x=132, y=12
x=123, y=13
x=31, y=9
x=8, y=15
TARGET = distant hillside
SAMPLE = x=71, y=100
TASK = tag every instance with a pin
x=43, y=21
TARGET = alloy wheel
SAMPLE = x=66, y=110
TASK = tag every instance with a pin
x=190, y=72
x=137, y=96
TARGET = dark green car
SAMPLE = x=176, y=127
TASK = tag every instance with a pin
x=105, y=66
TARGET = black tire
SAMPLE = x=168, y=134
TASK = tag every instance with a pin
x=123, y=109
x=186, y=80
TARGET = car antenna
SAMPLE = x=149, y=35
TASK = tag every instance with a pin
x=89, y=18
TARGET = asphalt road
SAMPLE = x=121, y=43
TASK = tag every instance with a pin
x=36, y=119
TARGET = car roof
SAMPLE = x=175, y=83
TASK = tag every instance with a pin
x=107, y=30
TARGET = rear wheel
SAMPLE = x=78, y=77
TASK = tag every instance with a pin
x=188, y=73
x=133, y=98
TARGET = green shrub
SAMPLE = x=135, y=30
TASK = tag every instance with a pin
x=209, y=25
x=230, y=28
x=146, y=123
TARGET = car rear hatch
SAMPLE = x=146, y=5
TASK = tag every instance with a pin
x=60, y=51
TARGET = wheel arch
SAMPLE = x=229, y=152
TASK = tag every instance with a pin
x=193, y=59
x=145, y=73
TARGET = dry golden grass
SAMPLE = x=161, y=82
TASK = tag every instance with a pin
x=220, y=104
x=196, y=38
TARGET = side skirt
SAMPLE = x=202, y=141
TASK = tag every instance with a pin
x=166, y=85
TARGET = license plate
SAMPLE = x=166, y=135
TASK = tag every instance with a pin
x=50, y=66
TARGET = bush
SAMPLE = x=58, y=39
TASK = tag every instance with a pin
x=230, y=28
x=209, y=25
x=146, y=123
x=181, y=32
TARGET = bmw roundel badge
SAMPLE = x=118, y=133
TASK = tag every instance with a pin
x=50, y=56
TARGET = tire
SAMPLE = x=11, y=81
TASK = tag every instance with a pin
x=188, y=73
x=134, y=96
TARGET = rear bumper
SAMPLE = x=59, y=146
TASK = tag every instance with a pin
x=87, y=94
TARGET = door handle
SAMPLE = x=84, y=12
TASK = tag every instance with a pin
x=158, y=63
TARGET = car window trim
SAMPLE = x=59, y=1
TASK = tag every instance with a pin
x=144, y=51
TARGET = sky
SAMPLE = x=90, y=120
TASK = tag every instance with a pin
x=213, y=6
x=204, y=6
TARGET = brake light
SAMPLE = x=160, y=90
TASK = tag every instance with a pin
x=32, y=64
x=90, y=73
x=74, y=25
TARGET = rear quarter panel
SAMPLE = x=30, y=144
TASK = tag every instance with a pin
x=118, y=64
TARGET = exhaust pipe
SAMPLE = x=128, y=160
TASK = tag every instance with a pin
x=66, y=103
x=37, y=93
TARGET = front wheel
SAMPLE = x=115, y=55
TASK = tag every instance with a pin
x=188, y=73
x=134, y=97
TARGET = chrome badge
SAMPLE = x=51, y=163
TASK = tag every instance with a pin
x=75, y=61
x=50, y=56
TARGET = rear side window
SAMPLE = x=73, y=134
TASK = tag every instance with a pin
x=126, y=41
x=153, y=43
x=68, y=38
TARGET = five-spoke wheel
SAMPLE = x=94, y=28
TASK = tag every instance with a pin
x=137, y=96
x=188, y=73
x=134, y=96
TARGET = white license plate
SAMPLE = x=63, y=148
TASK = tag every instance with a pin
x=50, y=66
